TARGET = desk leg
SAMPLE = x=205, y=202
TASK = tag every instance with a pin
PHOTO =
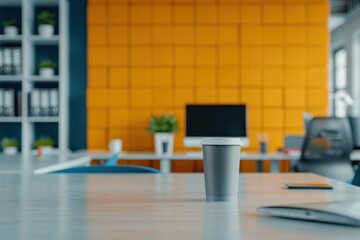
x=275, y=166
x=165, y=165
x=259, y=166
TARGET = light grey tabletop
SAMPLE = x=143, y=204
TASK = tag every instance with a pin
x=27, y=164
x=161, y=206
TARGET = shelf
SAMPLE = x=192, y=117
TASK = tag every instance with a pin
x=46, y=2
x=43, y=119
x=10, y=3
x=10, y=119
x=34, y=49
x=38, y=40
x=10, y=39
x=10, y=78
x=37, y=78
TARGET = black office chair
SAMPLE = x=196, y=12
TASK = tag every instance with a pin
x=326, y=149
x=293, y=142
x=356, y=180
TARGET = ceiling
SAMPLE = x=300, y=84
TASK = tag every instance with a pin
x=339, y=10
x=343, y=6
x=340, y=6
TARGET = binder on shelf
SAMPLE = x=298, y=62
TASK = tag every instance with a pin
x=18, y=103
x=9, y=105
x=54, y=102
x=7, y=61
x=1, y=62
x=16, y=57
x=35, y=103
x=1, y=102
x=44, y=102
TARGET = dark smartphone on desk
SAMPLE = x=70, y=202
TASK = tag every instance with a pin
x=305, y=186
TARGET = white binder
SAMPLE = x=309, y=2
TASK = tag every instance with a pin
x=7, y=61
x=16, y=56
x=54, y=102
x=9, y=102
x=44, y=102
x=35, y=102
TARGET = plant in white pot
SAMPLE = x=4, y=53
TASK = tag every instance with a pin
x=163, y=128
x=46, y=22
x=10, y=146
x=47, y=68
x=44, y=145
x=10, y=28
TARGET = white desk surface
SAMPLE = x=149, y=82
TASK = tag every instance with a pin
x=83, y=158
x=273, y=156
x=27, y=164
x=102, y=155
x=170, y=206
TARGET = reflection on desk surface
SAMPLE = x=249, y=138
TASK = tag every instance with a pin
x=169, y=206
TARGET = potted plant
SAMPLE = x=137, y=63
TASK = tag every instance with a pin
x=163, y=128
x=10, y=146
x=44, y=145
x=47, y=68
x=46, y=22
x=10, y=28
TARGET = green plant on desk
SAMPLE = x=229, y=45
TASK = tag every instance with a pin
x=44, y=142
x=9, y=142
x=162, y=124
x=163, y=128
x=9, y=23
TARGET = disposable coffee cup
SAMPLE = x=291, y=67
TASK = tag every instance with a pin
x=221, y=168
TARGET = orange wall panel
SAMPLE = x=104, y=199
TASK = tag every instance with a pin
x=273, y=14
x=97, y=77
x=151, y=57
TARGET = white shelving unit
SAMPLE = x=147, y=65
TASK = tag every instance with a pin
x=30, y=41
x=7, y=39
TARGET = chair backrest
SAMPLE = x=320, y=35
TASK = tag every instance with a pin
x=355, y=130
x=293, y=141
x=327, y=139
x=356, y=179
x=109, y=169
x=307, y=117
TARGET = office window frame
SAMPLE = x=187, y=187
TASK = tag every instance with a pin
x=340, y=81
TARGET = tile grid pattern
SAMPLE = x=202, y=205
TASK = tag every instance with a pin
x=152, y=57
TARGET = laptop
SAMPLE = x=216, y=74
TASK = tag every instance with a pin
x=338, y=212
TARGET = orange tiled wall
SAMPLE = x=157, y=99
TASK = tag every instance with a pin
x=153, y=56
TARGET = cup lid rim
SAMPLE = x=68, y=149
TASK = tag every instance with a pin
x=221, y=141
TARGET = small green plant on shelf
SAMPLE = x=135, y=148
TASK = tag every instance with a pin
x=10, y=146
x=44, y=142
x=9, y=142
x=10, y=28
x=47, y=64
x=162, y=124
x=9, y=23
x=47, y=68
x=46, y=18
x=46, y=22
